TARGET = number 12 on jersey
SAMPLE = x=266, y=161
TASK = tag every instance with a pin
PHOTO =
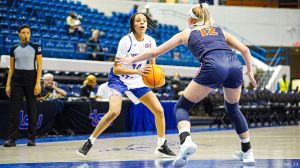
x=208, y=31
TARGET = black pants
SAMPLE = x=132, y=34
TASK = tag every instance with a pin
x=23, y=82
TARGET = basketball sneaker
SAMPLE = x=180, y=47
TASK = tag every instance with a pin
x=84, y=149
x=10, y=143
x=247, y=157
x=164, y=151
x=186, y=149
x=31, y=142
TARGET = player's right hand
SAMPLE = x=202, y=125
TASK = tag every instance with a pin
x=251, y=78
x=146, y=70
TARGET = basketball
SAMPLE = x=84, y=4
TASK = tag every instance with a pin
x=156, y=77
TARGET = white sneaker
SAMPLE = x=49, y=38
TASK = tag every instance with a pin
x=186, y=149
x=247, y=158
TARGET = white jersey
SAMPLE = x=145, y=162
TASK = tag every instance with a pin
x=129, y=44
x=103, y=91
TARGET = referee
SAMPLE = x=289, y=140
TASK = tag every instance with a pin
x=23, y=79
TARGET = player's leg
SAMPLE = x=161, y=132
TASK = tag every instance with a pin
x=152, y=103
x=115, y=105
x=192, y=94
x=232, y=97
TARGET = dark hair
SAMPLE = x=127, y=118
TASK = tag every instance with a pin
x=151, y=24
x=23, y=27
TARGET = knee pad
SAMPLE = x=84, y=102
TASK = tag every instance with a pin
x=182, y=108
x=236, y=117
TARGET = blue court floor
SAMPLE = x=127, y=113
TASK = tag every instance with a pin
x=267, y=163
x=274, y=147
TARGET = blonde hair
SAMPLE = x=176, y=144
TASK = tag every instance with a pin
x=202, y=14
x=90, y=78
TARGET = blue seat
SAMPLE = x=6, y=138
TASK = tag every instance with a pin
x=5, y=32
x=3, y=16
x=46, y=35
x=74, y=38
x=37, y=41
x=36, y=35
x=55, y=36
x=69, y=46
x=65, y=37
x=22, y=18
x=14, y=32
x=44, y=28
x=34, y=27
x=53, y=29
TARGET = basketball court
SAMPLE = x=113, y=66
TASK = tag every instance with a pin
x=273, y=147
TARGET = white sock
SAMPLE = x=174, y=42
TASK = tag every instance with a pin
x=245, y=140
x=160, y=141
x=92, y=139
x=181, y=130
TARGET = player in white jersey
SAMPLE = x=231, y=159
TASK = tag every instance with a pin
x=128, y=80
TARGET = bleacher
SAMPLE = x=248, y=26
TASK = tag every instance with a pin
x=47, y=19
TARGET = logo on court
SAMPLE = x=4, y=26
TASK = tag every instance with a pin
x=131, y=147
x=24, y=121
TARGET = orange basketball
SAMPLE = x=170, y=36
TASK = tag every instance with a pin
x=156, y=77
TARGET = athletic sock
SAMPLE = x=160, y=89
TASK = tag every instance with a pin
x=160, y=141
x=92, y=139
x=245, y=145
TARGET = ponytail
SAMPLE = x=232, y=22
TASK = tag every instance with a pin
x=200, y=14
x=208, y=21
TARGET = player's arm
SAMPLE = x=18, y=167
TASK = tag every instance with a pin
x=176, y=40
x=123, y=47
x=153, y=45
x=119, y=70
x=236, y=44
